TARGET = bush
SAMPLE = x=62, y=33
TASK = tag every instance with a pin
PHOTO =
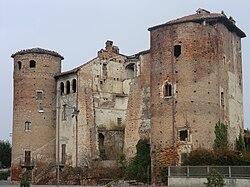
x=221, y=141
x=223, y=157
x=4, y=175
x=200, y=157
x=139, y=167
x=215, y=179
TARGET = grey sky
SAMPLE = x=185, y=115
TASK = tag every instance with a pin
x=77, y=29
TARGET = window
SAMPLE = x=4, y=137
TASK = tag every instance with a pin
x=167, y=90
x=222, y=99
x=19, y=64
x=64, y=112
x=39, y=95
x=63, y=153
x=177, y=50
x=183, y=135
x=32, y=64
x=62, y=88
x=104, y=69
x=119, y=121
x=27, y=126
x=101, y=145
x=74, y=86
x=67, y=87
x=27, y=157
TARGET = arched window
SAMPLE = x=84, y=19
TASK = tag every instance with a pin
x=19, y=63
x=167, y=90
x=67, y=87
x=74, y=86
x=32, y=64
x=101, y=145
x=62, y=88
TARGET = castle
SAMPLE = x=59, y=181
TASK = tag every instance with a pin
x=171, y=95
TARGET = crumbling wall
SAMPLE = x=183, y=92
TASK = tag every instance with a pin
x=138, y=113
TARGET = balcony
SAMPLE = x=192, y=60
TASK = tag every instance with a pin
x=28, y=164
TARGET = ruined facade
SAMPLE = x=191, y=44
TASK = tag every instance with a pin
x=172, y=95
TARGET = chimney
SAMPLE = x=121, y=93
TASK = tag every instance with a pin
x=109, y=45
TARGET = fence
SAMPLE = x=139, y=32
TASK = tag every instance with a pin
x=203, y=171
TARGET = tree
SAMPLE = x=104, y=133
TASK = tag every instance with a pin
x=221, y=141
x=139, y=167
x=5, y=153
x=215, y=179
x=240, y=144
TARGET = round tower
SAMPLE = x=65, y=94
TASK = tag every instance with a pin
x=196, y=81
x=34, y=110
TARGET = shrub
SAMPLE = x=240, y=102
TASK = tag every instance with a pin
x=221, y=141
x=215, y=179
x=139, y=167
x=200, y=157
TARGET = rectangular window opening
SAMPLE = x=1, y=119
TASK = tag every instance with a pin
x=39, y=95
x=183, y=135
x=63, y=153
x=27, y=157
x=177, y=50
x=119, y=121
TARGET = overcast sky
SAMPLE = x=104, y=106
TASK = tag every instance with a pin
x=77, y=29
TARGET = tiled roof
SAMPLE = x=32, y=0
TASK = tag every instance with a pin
x=38, y=51
x=199, y=17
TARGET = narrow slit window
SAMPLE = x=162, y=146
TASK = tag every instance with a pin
x=19, y=64
x=177, y=50
x=63, y=153
x=32, y=64
x=64, y=112
x=67, y=87
x=222, y=99
x=74, y=86
x=62, y=88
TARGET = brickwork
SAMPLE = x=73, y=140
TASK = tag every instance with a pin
x=39, y=136
x=172, y=95
x=198, y=77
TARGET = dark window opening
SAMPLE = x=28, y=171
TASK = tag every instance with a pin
x=64, y=112
x=222, y=99
x=19, y=64
x=130, y=70
x=167, y=90
x=67, y=87
x=177, y=50
x=74, y=86
x=119, y=121
x=63, y=153
x=104, y=69
x=27, y=157
x=39, y=95
x=183, y=135
x=101, y=146
x=27, y=126
x=62, y=88
x=32, y=64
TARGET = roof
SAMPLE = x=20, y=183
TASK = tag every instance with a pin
x=75, y=70
x=204, y=15
x=37, y=51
